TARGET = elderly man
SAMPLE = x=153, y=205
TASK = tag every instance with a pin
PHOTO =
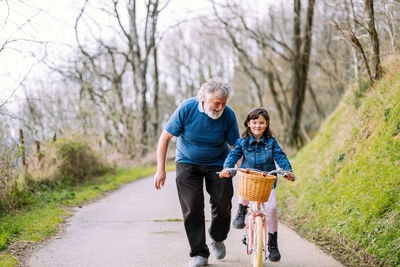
x=206, y=128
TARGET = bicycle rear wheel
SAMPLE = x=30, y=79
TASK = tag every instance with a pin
x=257, y=255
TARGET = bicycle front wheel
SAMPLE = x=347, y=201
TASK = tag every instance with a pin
x=257, y=255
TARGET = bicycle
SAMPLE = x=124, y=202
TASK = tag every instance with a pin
x=256, y=186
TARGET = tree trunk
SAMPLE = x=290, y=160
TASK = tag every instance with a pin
x=143, y=113
x=320, y=112
x=274, y=93
x=390, y=28
x=294, y=125
x=155, y=98
x=302, y=48
x=140, y=55
x=22, y=141
x=373, y=36
x=38, y=153
x=250, y=74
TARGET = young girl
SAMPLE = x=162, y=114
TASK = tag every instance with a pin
x=259, y=150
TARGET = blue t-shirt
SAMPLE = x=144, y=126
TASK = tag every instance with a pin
x=202, y=140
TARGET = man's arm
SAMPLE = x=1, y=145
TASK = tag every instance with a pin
x=162, y=147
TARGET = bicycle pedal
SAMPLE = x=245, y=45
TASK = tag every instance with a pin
x=244, y=240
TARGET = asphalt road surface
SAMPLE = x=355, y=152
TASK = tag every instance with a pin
x=140, y=226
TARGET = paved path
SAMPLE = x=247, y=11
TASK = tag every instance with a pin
x=140, y=226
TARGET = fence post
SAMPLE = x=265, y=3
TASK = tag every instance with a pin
x=22, y=141
x=39, y=155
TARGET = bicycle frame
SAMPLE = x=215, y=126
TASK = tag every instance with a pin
x=256, y=211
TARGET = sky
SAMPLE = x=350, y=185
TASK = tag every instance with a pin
x=26, y=27
x=38, y=29
x=33, y=30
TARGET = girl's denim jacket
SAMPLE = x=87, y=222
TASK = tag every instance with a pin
x=258, y=155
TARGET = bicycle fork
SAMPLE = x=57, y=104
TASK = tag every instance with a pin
x=249, y=237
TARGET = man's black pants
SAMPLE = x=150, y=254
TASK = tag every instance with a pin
x=189, y=181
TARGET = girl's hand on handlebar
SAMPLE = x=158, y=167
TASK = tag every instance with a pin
x=290, y=176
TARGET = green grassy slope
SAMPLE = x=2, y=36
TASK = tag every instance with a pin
x=348, y=195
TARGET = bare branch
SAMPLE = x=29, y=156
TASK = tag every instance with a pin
x=163, y=7
x=119, y=20
x=349, y=35
x=16, y=88
x=261, y=41
x=8, y=14
x=356, y=21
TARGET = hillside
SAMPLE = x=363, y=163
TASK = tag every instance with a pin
x=347, y=198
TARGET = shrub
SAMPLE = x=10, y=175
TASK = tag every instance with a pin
x=70, y=159
x=10, y=182
x=77, y=160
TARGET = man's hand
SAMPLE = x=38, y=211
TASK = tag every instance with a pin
x=227, y=173
x=290, y=176
x=160, y=176
x=224, y=173
x=159, y=179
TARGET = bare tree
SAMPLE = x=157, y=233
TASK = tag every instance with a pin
x=128, y=67
x=11, y=40
x=103, y=84
x=249, y=64
x=373, y=36
x=296, y=66
x=139, y=56
x=301, y=59
x=298, y=56
x=350, y=34
x=156, y=97
x=390, y=10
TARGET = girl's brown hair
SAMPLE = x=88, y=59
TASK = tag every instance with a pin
x=253, y=115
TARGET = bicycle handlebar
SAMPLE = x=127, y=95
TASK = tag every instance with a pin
x=281, y=172
x=232, y=172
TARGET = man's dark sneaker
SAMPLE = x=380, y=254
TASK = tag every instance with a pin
x=274, y=254
x=238, y=223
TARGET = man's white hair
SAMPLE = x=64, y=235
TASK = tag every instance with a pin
x=213, y=85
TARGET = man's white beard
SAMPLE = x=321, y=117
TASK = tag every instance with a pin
x=212, y=114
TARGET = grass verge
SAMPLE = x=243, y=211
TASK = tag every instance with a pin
x=45, y=208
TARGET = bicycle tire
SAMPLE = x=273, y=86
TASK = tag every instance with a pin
x=257, y=255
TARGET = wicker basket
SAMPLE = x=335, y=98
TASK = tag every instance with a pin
x=255, y=186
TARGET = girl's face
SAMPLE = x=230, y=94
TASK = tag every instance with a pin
x=258, y=126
